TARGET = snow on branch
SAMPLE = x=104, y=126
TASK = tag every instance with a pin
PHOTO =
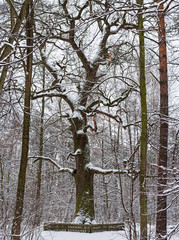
x=132, y=173
x=102, y=171
x=61, y=169
x=174, y=230
x=53, y=93
x=77, y=152
x=97, y=170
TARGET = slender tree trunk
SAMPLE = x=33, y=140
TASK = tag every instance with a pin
x=161, y=223
x=5, y=68
x=16, y=226
x=12, y=15
x=39, y=171
x=2, y=187
x=8, y=49
x=132, y=222
x=105, y=195
x=143, y=154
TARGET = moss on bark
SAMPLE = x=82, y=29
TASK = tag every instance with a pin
x=143, y=154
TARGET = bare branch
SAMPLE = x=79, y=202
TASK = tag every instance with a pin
x=54, y=94
x=97, y=170
x=13, y=8
x=61, y=169
x=115, y=117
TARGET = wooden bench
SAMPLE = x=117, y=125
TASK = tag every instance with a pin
x=87, y=228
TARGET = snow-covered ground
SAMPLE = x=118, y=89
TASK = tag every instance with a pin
x=51, y=235
x=115, y=235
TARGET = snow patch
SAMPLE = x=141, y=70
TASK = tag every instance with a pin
x=81, y=219
x=77, y=114
x=80, y=132
x=77, y=152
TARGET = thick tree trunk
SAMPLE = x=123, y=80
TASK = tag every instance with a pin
x=16, y=226
x=143, y=154
x=84, y=212
x=83, y=177
x=161, y=223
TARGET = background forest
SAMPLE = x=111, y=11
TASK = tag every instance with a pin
x=89, y=100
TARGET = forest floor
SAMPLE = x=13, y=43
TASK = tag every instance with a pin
x=51, y=235
x=116, y=235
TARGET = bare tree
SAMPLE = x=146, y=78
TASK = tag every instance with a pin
x=16, y=226
x=82, y=104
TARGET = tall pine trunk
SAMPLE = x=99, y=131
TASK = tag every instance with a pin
x=16, y=226
x=143, y=154
x=161, y=223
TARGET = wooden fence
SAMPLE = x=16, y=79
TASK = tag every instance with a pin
x=87, y=228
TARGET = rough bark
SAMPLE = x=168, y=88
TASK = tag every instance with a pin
x=84, y=212
x=16, y=226
x=161, y=223
x=83, y=177
x=143, y=153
